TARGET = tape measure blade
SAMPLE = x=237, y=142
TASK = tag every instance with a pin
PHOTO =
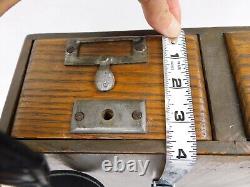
x=180, y=126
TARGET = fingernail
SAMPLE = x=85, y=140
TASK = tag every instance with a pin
x=173, y=30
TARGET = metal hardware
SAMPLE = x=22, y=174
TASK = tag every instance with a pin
x=79, y=116
x=158, y=184
x=105, y=79
x=116, y=116
x=137, y=115
x=180, y=129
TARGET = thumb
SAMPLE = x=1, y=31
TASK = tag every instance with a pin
x=5, y=5
x=158, y=16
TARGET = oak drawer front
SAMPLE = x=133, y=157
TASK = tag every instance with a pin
x=39, y=107
x=50, y=89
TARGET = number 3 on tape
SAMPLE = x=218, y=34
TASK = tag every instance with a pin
x=180, y=127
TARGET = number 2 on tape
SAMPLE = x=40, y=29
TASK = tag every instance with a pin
x=180, y=127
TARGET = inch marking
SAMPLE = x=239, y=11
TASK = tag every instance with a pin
x=181, y=139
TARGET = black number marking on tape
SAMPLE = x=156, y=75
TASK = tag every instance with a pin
x=175, y=56
x=179, y=116
x=181, y=154
x=176, y=83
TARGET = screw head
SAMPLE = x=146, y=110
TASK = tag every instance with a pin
x=79, y=116
x=140, y=47
x=136, y=115
x=70, y=49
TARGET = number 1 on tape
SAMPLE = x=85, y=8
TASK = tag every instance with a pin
x=180, y=127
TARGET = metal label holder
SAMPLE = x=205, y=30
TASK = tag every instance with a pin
x=105, y=79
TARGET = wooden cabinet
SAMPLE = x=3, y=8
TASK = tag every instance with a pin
x=38, y=111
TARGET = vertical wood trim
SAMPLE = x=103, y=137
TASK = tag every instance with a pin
x=223, y=98
x=15, y=88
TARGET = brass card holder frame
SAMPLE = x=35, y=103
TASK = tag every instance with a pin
x=105, y=79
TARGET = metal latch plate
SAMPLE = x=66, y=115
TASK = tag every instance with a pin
x=110, y=116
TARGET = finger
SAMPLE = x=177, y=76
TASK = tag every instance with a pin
x=158, y=15
x=175, y=9
x=5, y=5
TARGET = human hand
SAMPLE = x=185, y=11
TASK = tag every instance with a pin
x=5, y=5
x=163, y=15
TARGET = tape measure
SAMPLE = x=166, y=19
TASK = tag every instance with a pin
x=180, y=127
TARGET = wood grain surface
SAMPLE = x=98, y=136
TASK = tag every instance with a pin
x=239, y=50
x=50, y=88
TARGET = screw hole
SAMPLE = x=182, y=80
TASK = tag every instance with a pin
x=108, y=114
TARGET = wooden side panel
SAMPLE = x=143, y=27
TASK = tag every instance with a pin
x=239, y=51
x=46, y=101
x=200, y=104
